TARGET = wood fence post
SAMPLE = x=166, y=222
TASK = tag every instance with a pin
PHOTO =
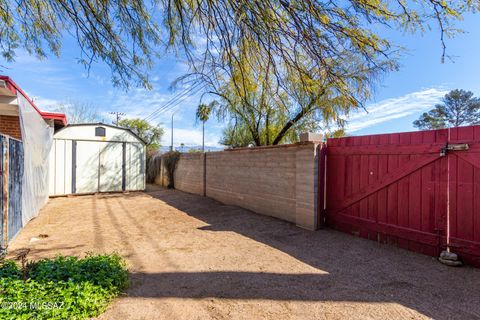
x=5, y=195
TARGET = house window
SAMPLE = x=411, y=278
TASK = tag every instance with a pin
x=100, y=132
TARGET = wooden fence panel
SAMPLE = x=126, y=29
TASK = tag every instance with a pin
x=15, y=188
x=408, y=189
x=11, y=180
x=383, y=187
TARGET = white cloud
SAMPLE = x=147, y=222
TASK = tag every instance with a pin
x=395, y=108
x=45, y=104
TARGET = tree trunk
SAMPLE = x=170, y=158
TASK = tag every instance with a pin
x=288, y=125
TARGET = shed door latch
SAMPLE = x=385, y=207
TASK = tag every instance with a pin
x=453, y=147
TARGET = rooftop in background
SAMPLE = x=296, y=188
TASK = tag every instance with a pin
x=9, y=88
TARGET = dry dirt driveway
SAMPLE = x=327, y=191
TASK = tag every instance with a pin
x=193, y=258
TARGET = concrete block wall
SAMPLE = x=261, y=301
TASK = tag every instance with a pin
x=279, y=181
x=306, y=185
x=189, y=175
x=258, y=179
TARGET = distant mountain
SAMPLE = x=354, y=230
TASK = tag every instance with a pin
x=188, y=148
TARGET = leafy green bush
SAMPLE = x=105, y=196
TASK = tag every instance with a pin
x=61, y=288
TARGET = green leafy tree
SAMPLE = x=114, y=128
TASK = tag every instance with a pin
x=151, y=134
x=203, y=114
x=123, y=34
x=237, y=136
x=262, y=112
x=459, y=108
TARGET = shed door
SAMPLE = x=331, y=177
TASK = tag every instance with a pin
x=87, y=165
x=111, y=171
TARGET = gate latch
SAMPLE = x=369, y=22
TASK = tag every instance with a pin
x=453, y=147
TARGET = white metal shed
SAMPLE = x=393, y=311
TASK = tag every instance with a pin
x=90, y=158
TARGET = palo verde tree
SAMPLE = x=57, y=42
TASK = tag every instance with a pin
x=120, y=33
x=262, y=111
x=459, y=108
x=278, y=64
x=332, y=46
x=128, y=35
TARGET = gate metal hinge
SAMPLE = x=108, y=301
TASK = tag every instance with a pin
x=453, y=147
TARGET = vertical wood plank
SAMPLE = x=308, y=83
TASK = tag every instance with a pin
x=403, y=186
x=356, y=177
x=382, y=194
x=372, y=178
x=476, y=194
x=415, y=188
x=465, y=192
x=452, y=187
x=392, y=190
x=428, y=190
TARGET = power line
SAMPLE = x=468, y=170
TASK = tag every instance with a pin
x=174, y=101
x=181, y=95
x=169, y=108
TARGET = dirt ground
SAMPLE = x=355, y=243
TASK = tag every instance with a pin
x=193, y=258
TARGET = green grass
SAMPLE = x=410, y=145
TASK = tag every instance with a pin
x=61, y=288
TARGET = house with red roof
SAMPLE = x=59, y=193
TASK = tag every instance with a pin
x=9, y=110
x=26, y=139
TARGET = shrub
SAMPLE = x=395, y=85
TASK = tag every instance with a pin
x=153, y=167
x=170, y=161
x=61, y=288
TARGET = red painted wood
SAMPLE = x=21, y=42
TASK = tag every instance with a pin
x=372, y=178
x=476, y=191
x=403, y=186
x=393, y=188
x=415, y=188
x=399, y=174
x=386, y=149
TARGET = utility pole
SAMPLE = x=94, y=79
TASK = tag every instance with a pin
x=171, y=145
x=117, y=116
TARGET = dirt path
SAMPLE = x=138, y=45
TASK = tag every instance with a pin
x=194, y=258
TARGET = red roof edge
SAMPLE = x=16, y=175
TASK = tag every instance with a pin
x=59, y=118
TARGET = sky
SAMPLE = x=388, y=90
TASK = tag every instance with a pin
x=400, y=98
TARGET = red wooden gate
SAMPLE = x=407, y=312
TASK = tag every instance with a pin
x=417, y=190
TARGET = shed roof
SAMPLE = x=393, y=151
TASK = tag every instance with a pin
x=103, y=125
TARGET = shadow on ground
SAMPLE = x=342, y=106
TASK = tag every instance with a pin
x=353, y=269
